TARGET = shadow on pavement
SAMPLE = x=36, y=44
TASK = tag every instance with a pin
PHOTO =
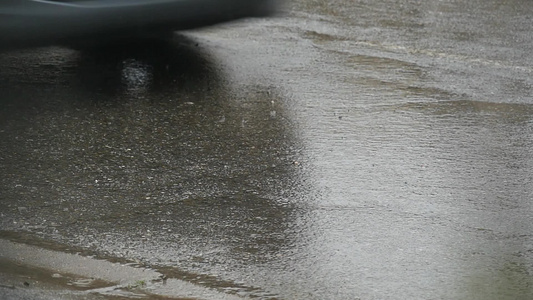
x=135, y=67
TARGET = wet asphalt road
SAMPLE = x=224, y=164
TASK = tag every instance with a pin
x=344, y=150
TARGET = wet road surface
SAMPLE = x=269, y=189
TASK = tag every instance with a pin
x=344, y=150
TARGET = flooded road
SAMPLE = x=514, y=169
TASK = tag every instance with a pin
x=344, y=150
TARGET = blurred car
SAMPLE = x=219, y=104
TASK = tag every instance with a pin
x=29, y=23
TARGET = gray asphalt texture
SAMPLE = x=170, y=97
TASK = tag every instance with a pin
x=343, y=150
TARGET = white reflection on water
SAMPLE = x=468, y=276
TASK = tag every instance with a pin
x=136, y=76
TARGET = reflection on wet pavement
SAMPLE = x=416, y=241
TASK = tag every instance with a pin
x=346, y=150
x=137, y=168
